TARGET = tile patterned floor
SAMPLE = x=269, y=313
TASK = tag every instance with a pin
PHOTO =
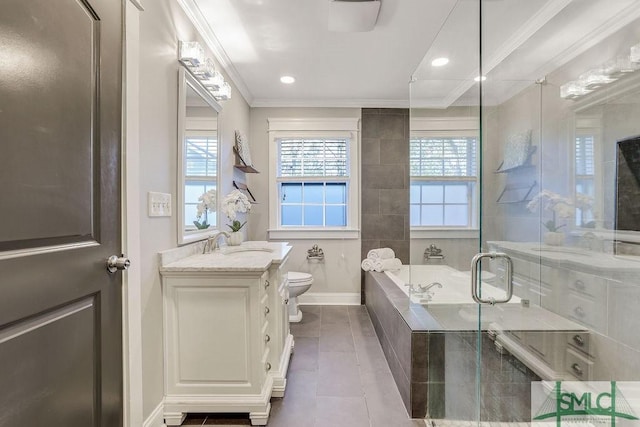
x=338, y=377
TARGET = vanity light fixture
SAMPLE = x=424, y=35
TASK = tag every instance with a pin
x=610, y=71
x=287, y=80
x=223, y=93
x=439, y=62
x=192, y=56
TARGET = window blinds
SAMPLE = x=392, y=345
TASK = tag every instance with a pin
x=312, y=157
x=201, y=156
x=443, y=157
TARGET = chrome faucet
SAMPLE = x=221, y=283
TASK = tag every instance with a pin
x=433, y=253
x=420, y=289
x=425, y=288
x=212, y=242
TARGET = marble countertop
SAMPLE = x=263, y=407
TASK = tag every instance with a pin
x=570, y=256
x=251, y=256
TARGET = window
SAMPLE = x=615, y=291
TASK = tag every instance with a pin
x=201, y=166
x=443, y=169
x=314, y=176
x=585, y=175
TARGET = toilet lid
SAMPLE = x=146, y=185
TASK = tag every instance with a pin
x=296, y=277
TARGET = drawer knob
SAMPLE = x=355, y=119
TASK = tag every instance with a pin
x=267, y=338
x=266, y=310
x=577, y=369
x=579, y=285
x=578, y=340
x=579, y=311
x=286, y=301
x=267, y=366
x=266, y=284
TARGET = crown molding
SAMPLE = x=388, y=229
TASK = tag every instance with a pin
x=202, y=26
x=330, y=103
x=532, y=26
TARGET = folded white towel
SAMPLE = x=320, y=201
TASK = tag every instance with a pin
x=367, y=264
x=387, y=264
x=381, y=253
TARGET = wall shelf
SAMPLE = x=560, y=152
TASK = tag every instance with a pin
x=243, y=187
x=525, y=165
x=246, y=169
x=516, y=193
x=242, y=165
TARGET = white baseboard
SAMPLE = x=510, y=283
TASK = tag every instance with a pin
x=329, y=298
x=156, y=418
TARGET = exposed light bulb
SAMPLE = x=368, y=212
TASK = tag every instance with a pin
x=287, y=80
x=478, y=78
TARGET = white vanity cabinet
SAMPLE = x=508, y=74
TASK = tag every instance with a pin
x=227, y=344
x=278, y=331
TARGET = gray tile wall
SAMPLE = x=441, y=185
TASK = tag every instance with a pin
x=385, y=180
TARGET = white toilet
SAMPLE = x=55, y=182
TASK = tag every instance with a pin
x=299, y=283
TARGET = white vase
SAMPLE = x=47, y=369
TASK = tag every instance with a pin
x=235, y=238
x=553, y=238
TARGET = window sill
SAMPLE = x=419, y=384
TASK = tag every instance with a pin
x=313, y=233
x=444, y=233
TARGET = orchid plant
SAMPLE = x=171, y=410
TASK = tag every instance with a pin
x=207, y=205
x=232, y=204
x=559, y=206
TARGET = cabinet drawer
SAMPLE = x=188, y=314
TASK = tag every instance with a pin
x=588, y=312
x=588, y=285
x=579, y=341
x=578, y=365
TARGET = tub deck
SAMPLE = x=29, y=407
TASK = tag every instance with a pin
x=417, y=339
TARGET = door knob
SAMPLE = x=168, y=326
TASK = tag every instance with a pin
x=115, y=263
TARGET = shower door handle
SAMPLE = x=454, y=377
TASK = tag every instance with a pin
x=475, y=262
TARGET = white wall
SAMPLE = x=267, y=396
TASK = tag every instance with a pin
x=162, y=25
x=340, y=272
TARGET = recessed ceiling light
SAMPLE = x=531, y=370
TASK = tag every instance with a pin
x=439, y=62
x=477, y=79
x=287, y=79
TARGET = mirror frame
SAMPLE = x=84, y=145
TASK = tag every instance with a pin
x=186, y=78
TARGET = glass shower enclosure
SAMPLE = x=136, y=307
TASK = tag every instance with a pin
x=525, y=158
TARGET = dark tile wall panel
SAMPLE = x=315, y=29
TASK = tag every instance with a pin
x=385, y=181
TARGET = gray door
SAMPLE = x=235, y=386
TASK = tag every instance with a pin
x=60, y=128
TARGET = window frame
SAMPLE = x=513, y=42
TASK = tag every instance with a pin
x=348, y=128
x=589, y=126
x=207, y=180
x=449, y=127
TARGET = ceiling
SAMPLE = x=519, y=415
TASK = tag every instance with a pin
x=257, y=41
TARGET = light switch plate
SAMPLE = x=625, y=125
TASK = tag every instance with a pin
x=159, y=204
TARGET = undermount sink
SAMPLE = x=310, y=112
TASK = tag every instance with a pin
x=236, y=249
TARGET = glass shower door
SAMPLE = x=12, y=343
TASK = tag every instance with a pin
x=543, y=97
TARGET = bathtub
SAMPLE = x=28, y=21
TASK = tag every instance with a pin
x=456, y=285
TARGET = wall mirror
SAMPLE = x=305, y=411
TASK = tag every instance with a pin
x=198, y=166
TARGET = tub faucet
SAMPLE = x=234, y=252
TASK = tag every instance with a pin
x=422, y=291
x=433, y=253
x=425, y=288
x=212, y=242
